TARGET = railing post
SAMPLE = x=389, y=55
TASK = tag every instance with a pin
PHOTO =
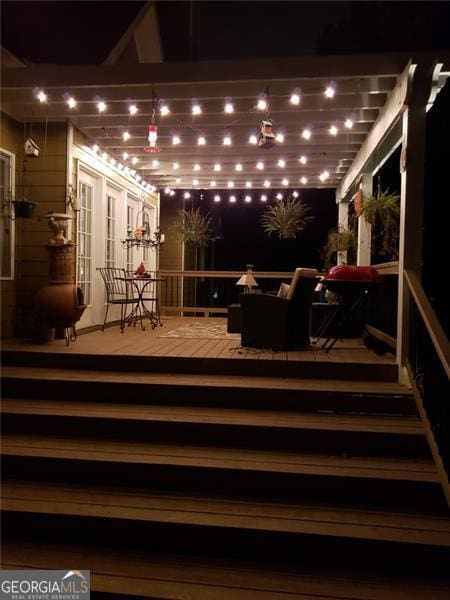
x=342, y=224
x=411, y=200
x=364, y=227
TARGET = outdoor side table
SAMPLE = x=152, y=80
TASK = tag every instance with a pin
x=234, y=318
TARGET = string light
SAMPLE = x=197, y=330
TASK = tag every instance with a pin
x=230, y=184
x=295, y=99
x=126, y=136
x=216, y=198
x=125, y=156
x=71, y=102
x=233, y=199
x=324, y=175
x=285, y=182
x=253, y=140
x=164, y=110
x=176, y=140
x=126, y=170
x=112, y=162
x=195, y=182
x=135, y=160
x=175, y=166
x=348, y=123
x=133, y=109
x=186, y=195
x=260, y=166
x=281, y=163
x=306, y=134
x=262, y=104
x=266, y=183
x=279, y=138
x=41, y=96
x=333, y=130
x=172, y=193
x=138, y=177
x=201, y=141
x=248, y=184
x=304, y=180
x=155, y=163
x=303, y=160
x=133, y=172
x=167, y=191
x=295, y=194
x=196, y=109
x=120, y=167
x=212, y=183
x=329, y=91
x=248, y=199
x=95, y=148
x=178, y=180
x=217, y=167
x=263, y=198
x=279, y=196
x=238, y=167
x=227, y=140
x=101, y=106
x=196, y=167
x=229, y=108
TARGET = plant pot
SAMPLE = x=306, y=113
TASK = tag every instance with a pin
x=24, y=209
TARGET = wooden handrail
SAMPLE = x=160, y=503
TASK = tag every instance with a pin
x=434, y=328
x=387, y=268
x=226, y=274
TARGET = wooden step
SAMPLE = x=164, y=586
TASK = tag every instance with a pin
x=376, y=371
x=211, y=390
x=201, y=510
x=161, y=576
x=240, y=459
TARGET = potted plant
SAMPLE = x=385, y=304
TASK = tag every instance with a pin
x=339, y=240
x=382, y=211
x=286, y=218
x=24, y=208
x=194, y=228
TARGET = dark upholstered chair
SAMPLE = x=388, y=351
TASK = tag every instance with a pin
x=280, y=322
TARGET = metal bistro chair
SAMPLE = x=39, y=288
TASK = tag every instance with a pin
x=118, y=292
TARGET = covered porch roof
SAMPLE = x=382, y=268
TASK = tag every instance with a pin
x=367, y=89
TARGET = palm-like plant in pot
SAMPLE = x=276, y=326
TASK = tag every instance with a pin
x=194, y=228
x=286, y=218
x=339, y=240
x=382, y=211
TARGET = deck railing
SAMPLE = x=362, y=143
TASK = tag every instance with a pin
x=209, y=292
x=382, y=305
x=428, y=359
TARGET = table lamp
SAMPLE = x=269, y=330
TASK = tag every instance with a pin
x=248, y=280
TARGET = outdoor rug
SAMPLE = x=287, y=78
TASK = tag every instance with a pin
x=202, y=331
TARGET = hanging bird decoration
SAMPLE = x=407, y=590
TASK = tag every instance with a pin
x=152, y=148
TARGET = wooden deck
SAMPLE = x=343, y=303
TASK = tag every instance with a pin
x=135, y=342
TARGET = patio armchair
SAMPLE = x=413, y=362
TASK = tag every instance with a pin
x=119, y=292
x=280, y=322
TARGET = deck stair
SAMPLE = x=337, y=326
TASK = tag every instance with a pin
x=214, y=486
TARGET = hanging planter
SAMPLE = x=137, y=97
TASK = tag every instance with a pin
x=24, y=208
x=194, y=228
x=339, y=240
x=286, y=218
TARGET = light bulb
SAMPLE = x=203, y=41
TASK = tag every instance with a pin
x=167, y=191
x=295, y=99
x=263, y=198
x=133, y=109
x=303, y=160
x=155, y=163
x=126, y=136
x=196, y=109
x=135, y=160
x=172, y=193
x=216, y=198
x=126, y=170
x=112, y=162
x=248, y=184
x=186, y=195
x=329, y=91
x=262, y=104
x=281, y=163
x=95, y=148
x=279, y=196
x=201, y=141
x=324, y=175
x=212, y=183
x=232, y=199
x=348, y=123
x=41, y=96
x=71, y=102
x=227, y=140
x=238, y=167
x=101, y=106
x=120, y=166
x=175, y=166
x=266, y=183
x=164, y=110
x=304, y=180
x=253, y=140
x=104, y=156
x=248, y=199
x=133, y=172
x=285, y=182
x=260, y=166
x=295, y=194
x=176, y=140
x=138, y=177
x=125, y=156
x=217, y=167
x=230, y=184
x=306, y=134
x=195, y=182
x=333, y=130
x=178, y=180
x=196, y=167
x=279, y=138
x=229, y=108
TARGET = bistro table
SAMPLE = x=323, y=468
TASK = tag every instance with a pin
x=140, y=311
